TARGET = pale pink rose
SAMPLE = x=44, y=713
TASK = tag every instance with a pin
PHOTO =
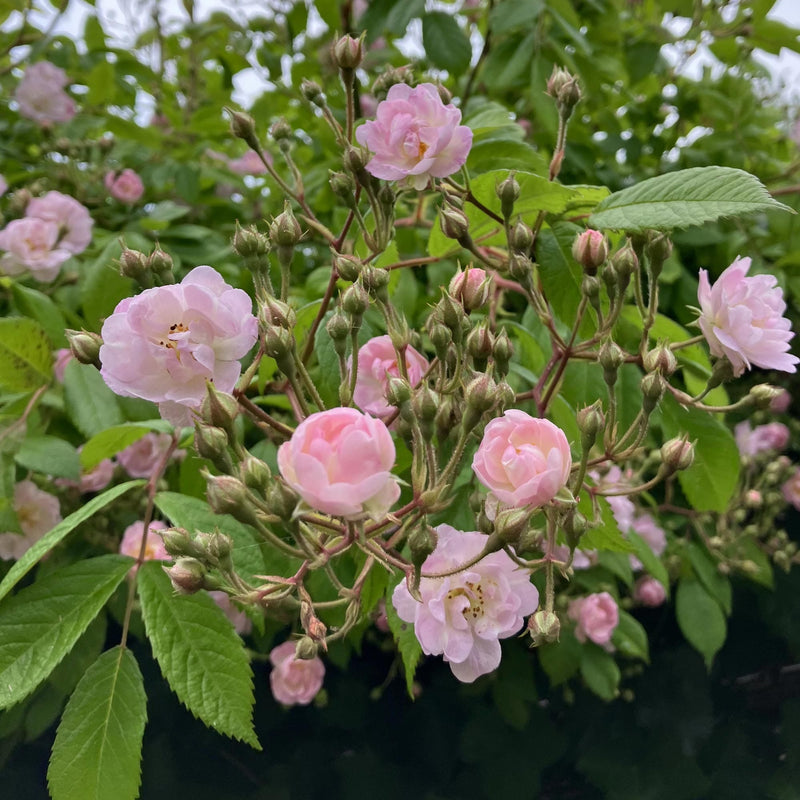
x=71, y=217
x=791, y=490
x=751, y=441
x=471, y=288
x=3, y=186
x=32, y=245
x=249, y=164
x=339, y=461
x=415, y=136
x=649, y=592
x=154, y=550
x=164, y=344
x=781, y=402
x=127, y=187
x=652, y=533
x=581, y=559
x=523, y=460
x=463, y=616
x=742, y=319
x=41, y=94
x=242, y=624
x=37, y=513
x=294, y=681
x=596, y=616
x=141, y=458
x=377, y=362
x=61, y=357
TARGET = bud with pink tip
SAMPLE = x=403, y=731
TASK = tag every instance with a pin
x=590, y=250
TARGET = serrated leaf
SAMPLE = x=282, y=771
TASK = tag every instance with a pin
x=41, y=308
x=39, y=626
x=195, y=515
x=200, y=655
x=98, y=745
x=684, y=198
x=65, y=527
x=600, y=671
x=50, y=456
x=630, y=637
x=446, y=45
x=26, y=360
x=560, y=660
x=91, y=405
x=406, y=641
x=700, y=619
x=712, y=479
x=109, y=442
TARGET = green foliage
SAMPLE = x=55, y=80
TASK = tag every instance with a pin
x=98, y=745
x=700, y=618
x=25, y=359
x=408, y=646
x=50, y=455
x=683, y=199
x=91, y=405
x=40, y=624
x=200, y=655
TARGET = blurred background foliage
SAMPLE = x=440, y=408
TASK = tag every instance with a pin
x=151, y=79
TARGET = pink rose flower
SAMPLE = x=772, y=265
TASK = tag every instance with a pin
x=751, y=441
x=32, y=244
x=127, y=187
x=652, y=533
x=463, y=616
x=140, y=459
x=242, y=624
x=415, y=136
x=791, y=490
x=164, y=344
x=596, y=616
x=649, y=592
x=61, y=358
x=781, y=402
x=154, y=550
x=621, y=505
x=523, y=460
x=742, y=319
x=339, y=461
x=471, y=288
x=294, y=681
x=37, y=513
x=377, y=362
x=71, y=218
x=41, y=94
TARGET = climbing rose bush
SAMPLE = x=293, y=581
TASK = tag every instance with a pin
x=415, y=136
x=164, y=344
x=464, y=615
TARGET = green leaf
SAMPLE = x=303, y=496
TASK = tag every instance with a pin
x=50, y=456
x=651, y=562
x=109, y=442
x=630, y=637
x=606, y=536
x=98, y=745
x=715, y=583
x=100, y=81
x=26, y=360
x=446, y=45
x=39, y=626
x=536, y=194
x=407, y=644
x=600, y=671
x=195, y=515
x=41, y=308
x=684, y=198
x=711, y=481
x=511, y=14
x=700, y=619
x=102, y=286
x=91, y=405
x=65, y=527
x=200, y=655
x=560, y=660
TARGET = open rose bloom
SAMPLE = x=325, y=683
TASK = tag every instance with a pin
x=72, y=219
x=164, y=344
x=522, y=460
x=463, y=616
x=596, y=618
x=377, y=362
x=154, y=550
x=415, y=137
x=294, y=681
x=339, y=461
x=37, y=512
x=127, y=186
x=32, y=245
x=742, y=319
x=41, y=94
